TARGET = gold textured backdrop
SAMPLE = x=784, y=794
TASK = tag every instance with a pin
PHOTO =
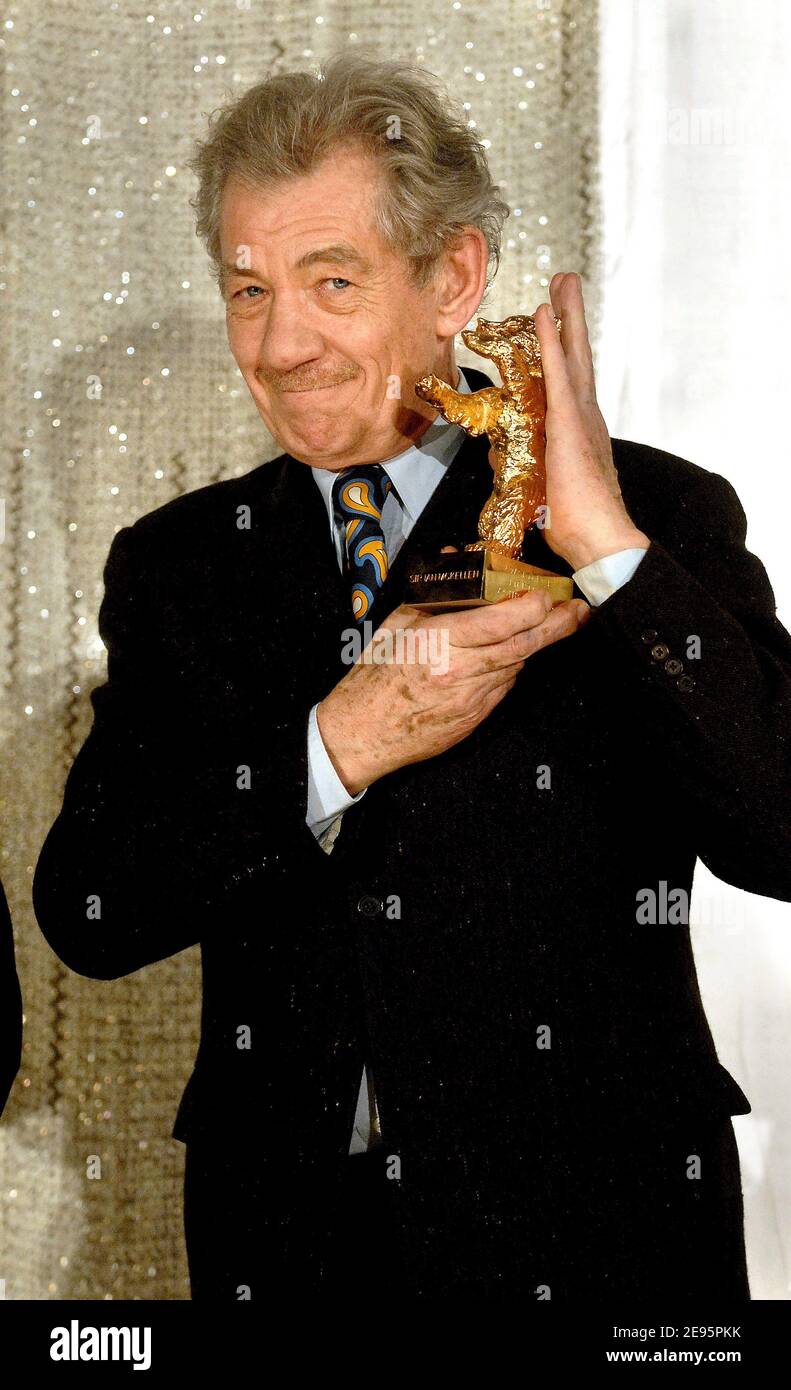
x=118, y=393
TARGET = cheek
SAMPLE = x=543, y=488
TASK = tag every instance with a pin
x=244, y=330
x=393, y=349
x=418, y=343
x=237, y=340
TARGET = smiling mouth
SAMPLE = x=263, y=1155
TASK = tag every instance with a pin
x=309, y=390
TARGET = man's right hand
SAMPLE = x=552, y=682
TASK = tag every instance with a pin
x=383, y=716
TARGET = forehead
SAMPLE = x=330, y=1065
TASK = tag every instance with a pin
x=336, y=195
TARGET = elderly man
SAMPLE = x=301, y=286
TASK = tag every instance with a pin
x=452, y=1039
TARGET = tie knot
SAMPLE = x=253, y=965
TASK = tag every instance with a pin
x=361, y=492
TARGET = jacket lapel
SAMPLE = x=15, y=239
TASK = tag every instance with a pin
x=318, y=596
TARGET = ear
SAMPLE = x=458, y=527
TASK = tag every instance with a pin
x=461, y=281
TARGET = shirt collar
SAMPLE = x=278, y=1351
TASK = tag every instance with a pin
x=416, y=472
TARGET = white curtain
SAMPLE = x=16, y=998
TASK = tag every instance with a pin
x=692, y=357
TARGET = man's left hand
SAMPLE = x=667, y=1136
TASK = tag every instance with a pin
x=586, y=514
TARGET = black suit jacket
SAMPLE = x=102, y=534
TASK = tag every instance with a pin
x=10, y=1006
x=464, y=908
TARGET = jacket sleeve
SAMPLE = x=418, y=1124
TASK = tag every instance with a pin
x=179, y=818
x=704, y=663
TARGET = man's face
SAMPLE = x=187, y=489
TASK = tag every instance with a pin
x=325, y=324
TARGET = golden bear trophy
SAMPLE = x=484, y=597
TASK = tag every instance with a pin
x=512, y=415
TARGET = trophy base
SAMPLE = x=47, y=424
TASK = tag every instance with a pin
x=470, y=578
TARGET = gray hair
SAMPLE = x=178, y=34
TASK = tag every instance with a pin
x=437, y=178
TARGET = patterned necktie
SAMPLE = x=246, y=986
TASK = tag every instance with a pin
x=359, y=496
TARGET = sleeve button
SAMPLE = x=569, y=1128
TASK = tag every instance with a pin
x=674, y=667
x=686, y=683
x=369, y=906
x=649, y=636
x=660, y=651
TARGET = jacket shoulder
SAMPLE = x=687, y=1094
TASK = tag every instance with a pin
x=660, y=488
x=644, y=464
x=195, y=513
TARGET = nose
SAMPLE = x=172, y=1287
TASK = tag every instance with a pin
x=288, y=341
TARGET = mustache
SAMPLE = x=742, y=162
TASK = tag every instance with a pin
x=310, y=381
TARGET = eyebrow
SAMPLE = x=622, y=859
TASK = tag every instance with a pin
x=342, y=253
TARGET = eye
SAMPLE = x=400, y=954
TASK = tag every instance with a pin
x=338, y=280
x=243, y=292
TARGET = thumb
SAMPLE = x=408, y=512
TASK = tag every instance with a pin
x=449, y=549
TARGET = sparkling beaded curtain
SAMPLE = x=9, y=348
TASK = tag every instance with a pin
x=119, y=393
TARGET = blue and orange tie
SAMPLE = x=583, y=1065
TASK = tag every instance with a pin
x=359, y=495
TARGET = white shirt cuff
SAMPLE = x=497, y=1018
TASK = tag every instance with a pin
x=601, y=578
x=327, y=796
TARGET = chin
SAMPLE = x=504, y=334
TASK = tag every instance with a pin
x=320, y=448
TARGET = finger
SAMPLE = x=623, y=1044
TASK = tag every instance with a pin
x=563, y=620
x=476, y=684
x=475, y=695
x=570, y=307
x=449, y=550
x=555, y=285
x=493, y=622
x=557, y=379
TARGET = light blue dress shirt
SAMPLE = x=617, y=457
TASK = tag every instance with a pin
x=414, y=474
